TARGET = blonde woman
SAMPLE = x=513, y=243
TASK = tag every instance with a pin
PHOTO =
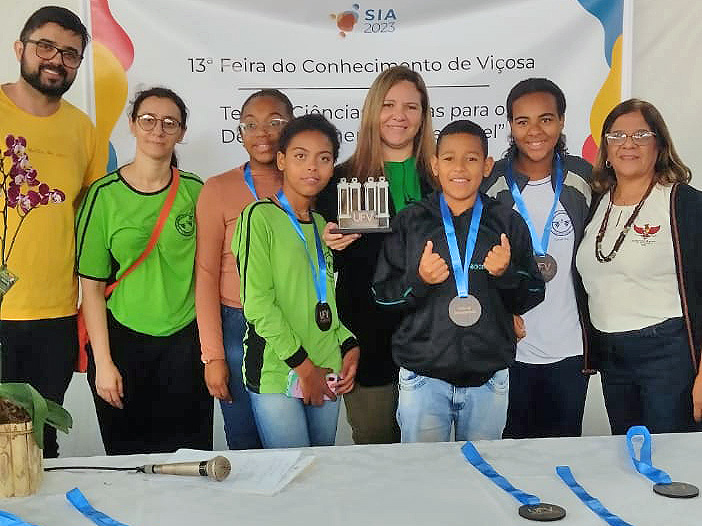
x=396, y=141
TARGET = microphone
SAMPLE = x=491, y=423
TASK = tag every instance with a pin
x=217, y=468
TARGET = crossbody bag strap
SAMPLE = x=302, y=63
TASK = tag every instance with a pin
x=156, y=232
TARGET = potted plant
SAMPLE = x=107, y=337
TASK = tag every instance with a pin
x=23, y=414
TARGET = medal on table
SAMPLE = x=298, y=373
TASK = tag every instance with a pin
x=531, y=506
x=464, y=310
x=663, y=485
x=322, y=311
x=544, y=261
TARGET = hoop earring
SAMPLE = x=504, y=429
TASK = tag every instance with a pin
x=608, y=164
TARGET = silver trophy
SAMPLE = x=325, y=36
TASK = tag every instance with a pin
x=363, y=207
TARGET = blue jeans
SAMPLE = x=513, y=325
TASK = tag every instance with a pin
x=546, y=399
x=647, y=378
x=287, y=422
x=239, y=424
x=428, y=407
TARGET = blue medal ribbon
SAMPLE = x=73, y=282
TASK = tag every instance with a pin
x=486, y=469
x=540, y=245
x=7, y=519
x=320, y=278
x=76, y=497
x=643, y=464
x=248, y=179
x=589, y=501
x=460, y=272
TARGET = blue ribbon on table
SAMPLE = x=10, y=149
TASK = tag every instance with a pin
x=7, y=519
x=460, y=271
x=486, y=469
x=76, y=497
x=643, y=464
x=540, y=245
x=248, y=179
x=589, y=501
x=320, y=277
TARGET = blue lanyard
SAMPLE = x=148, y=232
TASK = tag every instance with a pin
x=540, y=245
x=589, y=501
x=79, y=502
x=248, y=178
x=486, y=469
x=320, y=278
x=644, y=465
x=460, y=272
x=7, y=519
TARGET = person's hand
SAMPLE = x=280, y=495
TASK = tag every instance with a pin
x=519, y=327
x=497, y=260
x=349, y=367
x=313, y=383
x=337, y=241
x=432, y=267
x=697, y=398
x=217, y=379
x=108, y=384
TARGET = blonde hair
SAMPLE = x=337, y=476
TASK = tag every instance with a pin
x=669, y=167
x=368, y=160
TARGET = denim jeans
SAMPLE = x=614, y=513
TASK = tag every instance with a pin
x=546, y=399
x=428, y=407
x=647, y=378
x=239, y=424
x=285, y=422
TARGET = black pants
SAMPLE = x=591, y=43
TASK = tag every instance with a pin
x=647, y=378
x=166, y=403
x=546, y=400
x=43, y=354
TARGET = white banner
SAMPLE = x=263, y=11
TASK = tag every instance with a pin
x=324, y=56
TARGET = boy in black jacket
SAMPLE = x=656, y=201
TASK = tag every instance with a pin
x=459, y=264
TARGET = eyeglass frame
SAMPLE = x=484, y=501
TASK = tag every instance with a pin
x=161, y=120
x=56, y=51
x=242, y=127
x=643, y=135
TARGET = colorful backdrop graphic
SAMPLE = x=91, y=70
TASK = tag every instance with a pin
x=215, y=52
x=611, y=14
x=113, y=54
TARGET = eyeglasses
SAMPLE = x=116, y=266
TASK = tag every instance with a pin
x=70, y=57
x=249, y=128
x=639, y=137
x=147, y=122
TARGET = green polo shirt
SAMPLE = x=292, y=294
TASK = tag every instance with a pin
x=114, y=225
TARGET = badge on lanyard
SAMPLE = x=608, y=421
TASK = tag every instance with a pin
x=465, y=309
x=322, y=311
x=546, y=263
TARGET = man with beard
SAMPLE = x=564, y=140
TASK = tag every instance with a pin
x=52, y=146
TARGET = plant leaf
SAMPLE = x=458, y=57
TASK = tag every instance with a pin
x=41, y=410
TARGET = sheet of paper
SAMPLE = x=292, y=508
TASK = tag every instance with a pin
x=260, y=472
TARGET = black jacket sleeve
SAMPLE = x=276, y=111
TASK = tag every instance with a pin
x=521, y=286
x=397, y=284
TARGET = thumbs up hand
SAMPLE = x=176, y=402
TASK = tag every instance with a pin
x=497, y=260
x=432, y=267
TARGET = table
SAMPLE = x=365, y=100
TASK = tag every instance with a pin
x=400, y=484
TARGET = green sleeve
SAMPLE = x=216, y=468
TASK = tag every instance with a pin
x=93, y=259
x=252, y=245
x=346, y=339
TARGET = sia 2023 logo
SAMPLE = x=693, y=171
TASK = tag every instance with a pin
x=374, y=20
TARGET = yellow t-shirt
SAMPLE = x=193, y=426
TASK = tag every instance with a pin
x=64, y=151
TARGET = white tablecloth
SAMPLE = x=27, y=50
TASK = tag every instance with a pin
x=413, y=484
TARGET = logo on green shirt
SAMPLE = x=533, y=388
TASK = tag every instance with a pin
x=185, y=224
